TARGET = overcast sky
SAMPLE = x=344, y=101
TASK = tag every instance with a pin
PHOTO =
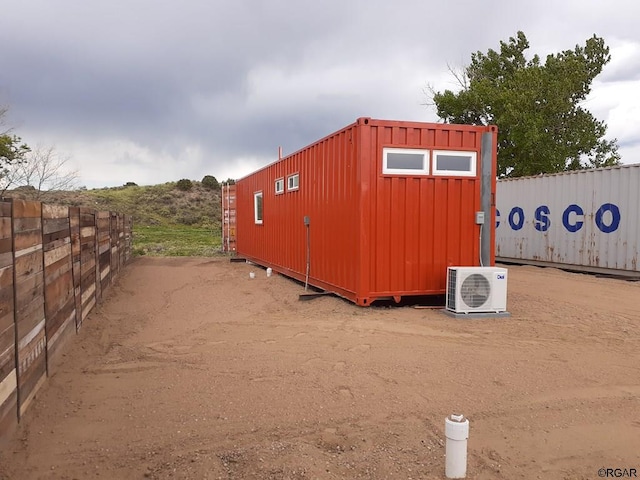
x=150, y=91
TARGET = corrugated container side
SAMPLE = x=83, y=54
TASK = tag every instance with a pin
x=228, y=201
x=587, y=219
x=419, y=224
x=327, y=194
x=372, y=234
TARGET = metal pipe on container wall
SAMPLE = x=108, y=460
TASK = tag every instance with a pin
x=307, y=223
x=480, y=247
x=487, y=173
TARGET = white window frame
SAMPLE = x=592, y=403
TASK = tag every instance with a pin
x=291, y=177
x=279, y=183
x=455, y=173
x=406, y=171
x=257, y=195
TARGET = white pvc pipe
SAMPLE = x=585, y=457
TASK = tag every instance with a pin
x=456, y=431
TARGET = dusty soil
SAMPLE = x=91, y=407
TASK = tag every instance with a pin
x=190, y=369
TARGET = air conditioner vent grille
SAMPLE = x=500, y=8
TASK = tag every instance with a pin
x=451, y=288
x=475, y=290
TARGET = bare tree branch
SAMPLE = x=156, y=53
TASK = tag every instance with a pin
x=44, y=170
x=460, y=75
x=461, y=78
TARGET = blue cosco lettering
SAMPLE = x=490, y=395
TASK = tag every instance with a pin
x=512, y=216
x=542, y=222
x=572, y=227
x=615, y=218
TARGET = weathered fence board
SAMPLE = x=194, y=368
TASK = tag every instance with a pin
x=55, y=262
x=87, y=260
x=29, y=300
x=59, y=300
x=8, y=373
x=115, y=243
x=128, y=237
x=74, y=226
x=103, y=221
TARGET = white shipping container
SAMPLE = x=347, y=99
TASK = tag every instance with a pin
x=585, y=220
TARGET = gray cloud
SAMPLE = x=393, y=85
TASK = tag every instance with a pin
x=159, y=89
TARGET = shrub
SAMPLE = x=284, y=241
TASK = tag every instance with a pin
x=210, y=182
x=188, y=219
x=185, y=185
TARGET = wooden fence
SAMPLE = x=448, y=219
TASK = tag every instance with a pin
x=55, y=264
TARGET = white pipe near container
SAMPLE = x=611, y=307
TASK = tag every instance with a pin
x=456, y=431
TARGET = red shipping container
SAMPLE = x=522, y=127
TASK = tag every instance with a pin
x=376, y=210
x=228, y=198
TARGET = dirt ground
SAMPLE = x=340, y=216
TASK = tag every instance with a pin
x=192, y=370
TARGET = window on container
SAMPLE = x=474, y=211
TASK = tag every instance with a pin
x=293, y=182
x=454, y=163
x=257, y=207
x=279, y=186
x=405, y=161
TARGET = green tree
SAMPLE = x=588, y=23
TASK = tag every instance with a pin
x=12, y=156
x=210, y=182
x=184, y=184
x=542, y=126
x=11, y=149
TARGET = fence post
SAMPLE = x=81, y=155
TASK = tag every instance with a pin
x=8, y=338
x=29, y=300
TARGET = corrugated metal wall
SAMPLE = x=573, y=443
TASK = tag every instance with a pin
x=327, y=194
x=419, y=225
x=372, y=235
x=228, y=200
x=587, y=219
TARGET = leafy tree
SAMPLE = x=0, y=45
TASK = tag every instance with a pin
x=210, y=182
x=12, y=152
x=230, y=181
x=11, y=149
x=184, y=185
x=542, y=127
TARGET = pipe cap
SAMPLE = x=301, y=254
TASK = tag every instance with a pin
x=456, y=427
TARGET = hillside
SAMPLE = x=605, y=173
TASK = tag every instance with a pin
x=167, y=221
x=151, y=205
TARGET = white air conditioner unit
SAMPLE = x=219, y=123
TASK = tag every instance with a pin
x=476, y=289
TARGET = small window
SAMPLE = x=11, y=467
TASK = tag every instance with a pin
x=257, y=207
x=454, y=163
x=405, y=161
x=293, y=182
x=279, y=186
